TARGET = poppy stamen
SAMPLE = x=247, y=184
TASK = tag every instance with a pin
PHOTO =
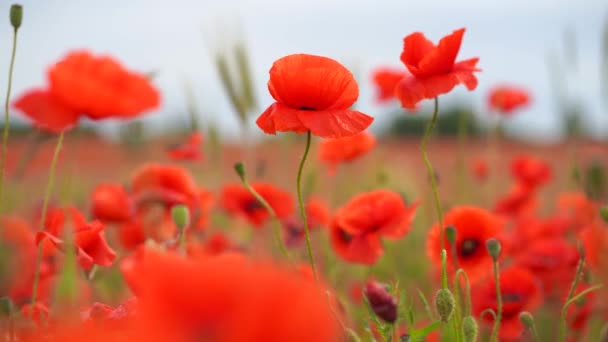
x=468, y=247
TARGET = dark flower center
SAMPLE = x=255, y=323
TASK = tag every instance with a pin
x=252, y=205
x=306, y=108
x=345, y=236
x=511, y=298
x=468, y=247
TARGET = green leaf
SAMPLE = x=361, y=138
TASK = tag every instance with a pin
x=422, y=333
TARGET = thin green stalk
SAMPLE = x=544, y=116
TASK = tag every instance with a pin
x=45, y=204
x=302, y=207
x=498, y=318
x=429, y=166
x=573, y=286
x=6, y=119
x=564, y=313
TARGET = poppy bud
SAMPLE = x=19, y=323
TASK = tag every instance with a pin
x=16, y=16
x=405, y=338
x=493, y=247
x=181, y=216
x=444, y=304
x=450, y=233
x=382, y=303
x=526, y=319
x=6, y=306
x=469, y=329
x=604, y=213
x=239, y=168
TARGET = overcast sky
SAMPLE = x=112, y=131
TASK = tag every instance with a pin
x=512, y=38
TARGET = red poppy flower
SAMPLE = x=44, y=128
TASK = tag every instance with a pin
x=530, y=171
x=237, y=200
x=189, y=150
x=357, y=227
x=480, y=169
x=46, y=111
x=579, y=210
x=111, y=203
x=474, y=226
x=552, y=260
x=131, y=233
x=101, y=87
x=38, y=312
x=229, y=298
x=433, y=68
x=595, y=244
x=520, y=291
x=312, y=93
x=317, y=215
x=386, y=80
x=166, y=184
x=532, y=228
x=92, y=247
x=519, y=201
x=505, y=99
x=335, y=151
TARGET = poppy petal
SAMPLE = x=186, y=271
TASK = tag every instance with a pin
x=411, y=90
x=45, y=111
x=441, y=59
x=337, y=123
x=279, y=117
x=365, y=249
x=415, y=47
x=402, y=224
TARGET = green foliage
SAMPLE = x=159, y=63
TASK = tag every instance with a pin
x=448, y=123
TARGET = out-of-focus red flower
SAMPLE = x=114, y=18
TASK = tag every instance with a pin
x=580, y=311
x=341, y=150
x=100, y=87
x=46, y=111
x=595, y=245
x=433, y=68
x=230, y=298
x=317, y=216
x=312, y=93
x=474, y=226
x=532, y=228
x=579, y=210
x=552, y=260
x=166, y=184
x=38, y=312
x=506, y=99
x=480, y=169
x=108, y=317
x=91, y=245
x=131, y=233
x=520, y=291
x=111, y=203
x=357, y=227
x=385, y=80
x=189, y=150
x=530, y=171
x=238, y=201
x=519, y=201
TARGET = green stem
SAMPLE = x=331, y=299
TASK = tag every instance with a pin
x=573, y=286
x=6, y=119
x=302, y=207
x=494, y=336
x=429, y=166
x=45, y=204
x=564, y=313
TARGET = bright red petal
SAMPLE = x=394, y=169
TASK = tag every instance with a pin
x=411, y=90
x=46, y=111
x=279, y=117
x=441, y=59
x=334, y=123
x=415, y=47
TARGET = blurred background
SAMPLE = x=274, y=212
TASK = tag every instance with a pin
x=557, y=49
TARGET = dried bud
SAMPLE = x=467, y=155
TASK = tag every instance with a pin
x=16, y=16
x=469, y=329
x=450, y=233
x=444, y=304
x=493, y=247
x=604, y=213
x=181, y=216
x=382, y=303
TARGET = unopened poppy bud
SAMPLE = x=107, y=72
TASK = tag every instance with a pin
x=16, y=16
x=470, y=329
x=381, y=302
x=239, y=168
x=181, y=216
x=604, y=213
x=526, y=319
x=444, y=304
x=450, y=233
x=6, y=306
x=493, y=247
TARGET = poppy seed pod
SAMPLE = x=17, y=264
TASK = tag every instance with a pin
x=382, y=303
x=16, y=16
x=444, y=304
x=493, y=247
x=181, y=216
x=470, y=329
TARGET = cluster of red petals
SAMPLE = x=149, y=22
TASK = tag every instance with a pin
x=336, y=151
x=530, y=171
x=386, y=80
x=358, y=226
x=238, y=201
x=520, y=291
x=474, y=226
x=312, y=93
x=189, y=150
x=434, y=70
x=480, y=169
x=318, y=216
x=506, y=99
x=82, y=84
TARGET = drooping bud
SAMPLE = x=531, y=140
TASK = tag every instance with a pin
x=494, y=248
x=450, y=234
x=470, y=329
x=181, y=216
x=381, y=302
x=604, y=213
x=16, y=16
x=526, y=318
x=444, y=304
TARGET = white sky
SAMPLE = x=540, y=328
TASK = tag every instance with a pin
x=512, y=38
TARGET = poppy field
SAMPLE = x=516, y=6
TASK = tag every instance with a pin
x=323, y=230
